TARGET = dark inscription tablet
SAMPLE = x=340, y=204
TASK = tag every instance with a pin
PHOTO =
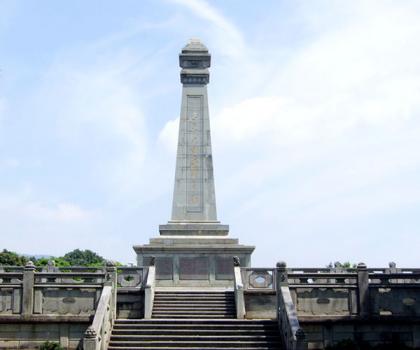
x=164, y=268
x=196, y=268
x=224, y=268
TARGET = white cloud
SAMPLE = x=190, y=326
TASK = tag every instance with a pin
x=168, y=136
x=331, y=136
x=229, y=38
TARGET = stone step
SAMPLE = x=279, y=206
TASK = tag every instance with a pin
x=194, y=337
x=187, y=297
x=191, y=292
x=122, y=347
x=194, y=331
x=194, y=327
x=194, y=311
x=223, y=317
x=197, y=344
x=195, y=307
x=184, y=300
x=195, y=322
x=166, y=315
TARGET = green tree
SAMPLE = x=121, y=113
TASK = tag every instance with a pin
x=58, y=261
x=79, y=257
x=12, y=258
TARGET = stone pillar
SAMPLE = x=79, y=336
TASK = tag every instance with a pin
x=149, y=290
x=281, y=275
x=28, y=289
x=239, y=289
x=90, y=339
x=363, y=290
x=111, y=272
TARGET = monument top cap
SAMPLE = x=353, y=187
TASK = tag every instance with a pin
x=195, y=46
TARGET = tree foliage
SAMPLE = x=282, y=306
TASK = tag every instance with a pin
x=86, y=257
x=11, y=258
x=76, y=257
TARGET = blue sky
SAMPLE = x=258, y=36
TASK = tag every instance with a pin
x=315, y=114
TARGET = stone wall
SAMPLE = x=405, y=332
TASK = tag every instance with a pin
x=30, y=335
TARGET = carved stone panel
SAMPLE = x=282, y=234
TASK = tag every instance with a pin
x=224, y=268
x=194, y=268
x=164, y=268
x=68, y=301
x=323, y=301
x=6, y=299
x=261, y=279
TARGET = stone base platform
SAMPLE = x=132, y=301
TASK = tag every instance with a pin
x=193, y=261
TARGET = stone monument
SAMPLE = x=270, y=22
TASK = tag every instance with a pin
x=193, y=248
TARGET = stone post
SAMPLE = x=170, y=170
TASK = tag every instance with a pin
x=293, y=336
x=281, y=275
x=239, y=289
x=149, y=290
x=111, y=272
x=363, y=290
x=28, y=289
x=90, y=339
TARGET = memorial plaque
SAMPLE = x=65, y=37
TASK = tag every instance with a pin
x=224, y=268
x=164, y=268
x=194, y=268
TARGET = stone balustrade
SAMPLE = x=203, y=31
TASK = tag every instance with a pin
x=331, y=294
x=57, y=304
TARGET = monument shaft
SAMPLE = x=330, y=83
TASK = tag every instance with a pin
x=194, y=195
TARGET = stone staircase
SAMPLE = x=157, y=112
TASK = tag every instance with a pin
x=194, y=305
x=194, y=320
x=176, y=334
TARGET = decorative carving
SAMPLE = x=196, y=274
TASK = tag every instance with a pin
x=90, y=333
x=236, y=261
x=195, y=79
x=30, y=265
x=261, y=279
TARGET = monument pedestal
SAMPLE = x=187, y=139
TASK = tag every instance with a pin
x=186, y=260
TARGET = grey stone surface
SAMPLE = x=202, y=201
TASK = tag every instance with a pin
x=194, y=195
x=193, y=229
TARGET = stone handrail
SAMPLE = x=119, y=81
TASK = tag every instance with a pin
x=97, y=335
x=99, y=332
x=239, y=289
x=149, y=291
x=293, y=336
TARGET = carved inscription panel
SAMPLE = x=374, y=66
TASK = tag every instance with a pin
x=194, y=154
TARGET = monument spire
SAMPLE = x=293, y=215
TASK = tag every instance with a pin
x=194, y=195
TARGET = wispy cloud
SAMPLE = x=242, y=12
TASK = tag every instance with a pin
x=229, y=38
x=330, y=132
